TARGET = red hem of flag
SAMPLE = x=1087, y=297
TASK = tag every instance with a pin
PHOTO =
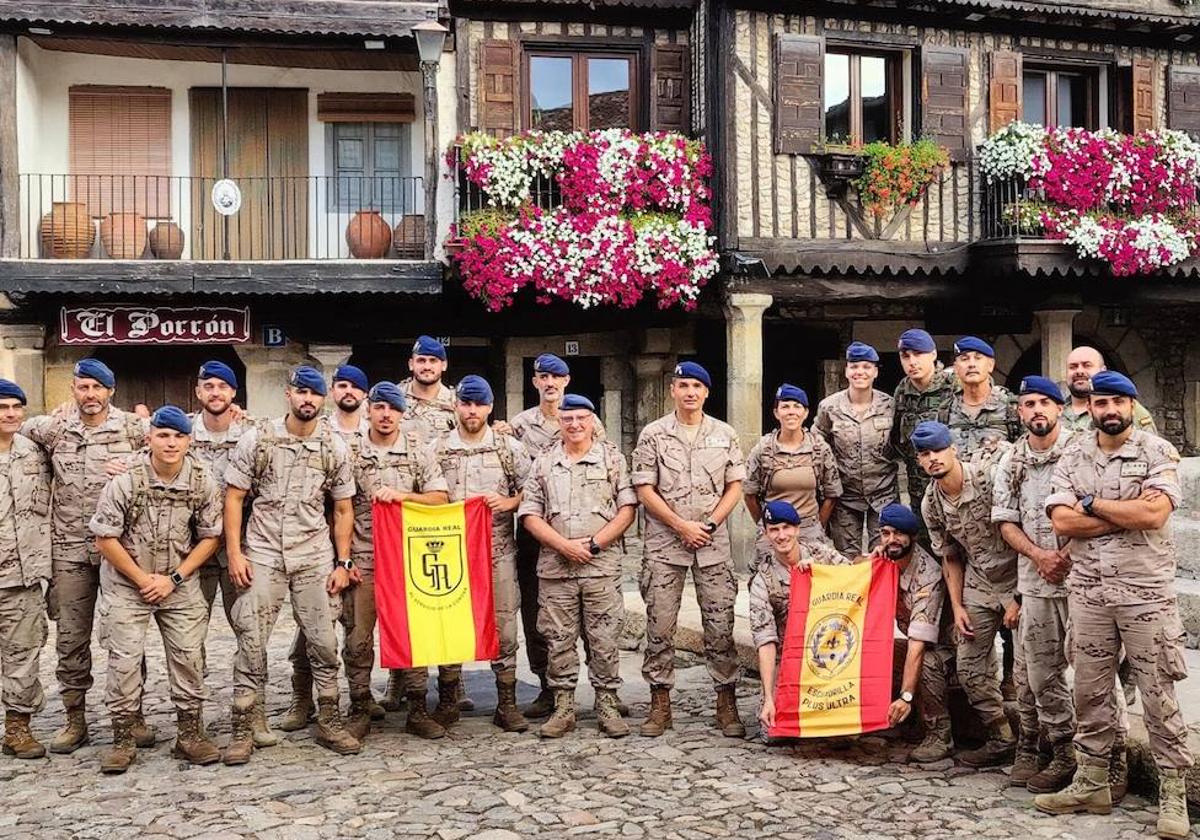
x=875, y=691
x=478, y=518
x=787, y=677
x=395, y=648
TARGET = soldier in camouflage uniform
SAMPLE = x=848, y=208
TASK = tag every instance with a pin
x=1083, y=363
x=156, y=525
x=476, y=461
x=1019, y=493
x=86, y=443
x=857, y=423
x=24, y=565
x=349, y=391
x=793, y=465
x=770, y=592
x=578, y=502
x=1113, y=494
x=688, y=471
x=919, y=396
x=290, y=467
x=981, y=578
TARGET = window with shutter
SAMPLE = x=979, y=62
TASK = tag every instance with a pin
x=120, y=149
x=944, y=75
x=1060, y=97
x=498, y=87
x=669, y=88
x=573, y=90
x=861, y=96
x=1183, y=99
x=1004, y=89
x=370, y=163
x=799, y=71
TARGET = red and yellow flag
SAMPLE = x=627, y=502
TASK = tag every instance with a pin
x=835, y=674
x=433, y=583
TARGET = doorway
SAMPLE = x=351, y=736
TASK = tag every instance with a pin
x=159, y=376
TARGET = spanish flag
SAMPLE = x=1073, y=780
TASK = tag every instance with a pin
x=835, y=674
x=433, y=583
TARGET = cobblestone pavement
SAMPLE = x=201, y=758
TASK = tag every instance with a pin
x=483, y=783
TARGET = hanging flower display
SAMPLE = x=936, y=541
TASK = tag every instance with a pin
x=633, y=220
x=895, y=176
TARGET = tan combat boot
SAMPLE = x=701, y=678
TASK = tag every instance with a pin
x=1059, y=772
x=419, y=722
x=542, y=705
x=191, y=742
x=74, y=735
x=124, y=749
x=241, y=743
x=18, y=740
x=394, y=696
x=508, y=717
x=377, y=711
x=609, y=716
x=1026, y=766
x=728, y=721
x=563, y=719
x=331, y=734
x=144, y=735
x=302, y=710
x=264, y=736
x=1087, y=793
x=1118, y=771
x=1172, y=805
x=358, y=718
x=449, y=708
x=998, y=750
x=937, y=744
x=659, y=719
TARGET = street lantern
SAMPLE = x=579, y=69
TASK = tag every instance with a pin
x=431, y=38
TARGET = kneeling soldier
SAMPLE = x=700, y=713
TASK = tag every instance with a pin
x=577, y=503
x=155, y=526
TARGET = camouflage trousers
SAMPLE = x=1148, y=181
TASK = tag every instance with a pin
x=71, y=604
x=254, y=615
x=846, y=529
x=592, y=605
x=662, y=590
x=936, y=664
x=1043, y=694
x=528, y=550
x=121, y=629
x=977, y=665
x=1153, y=638
x=22, y=635
x=214, y=577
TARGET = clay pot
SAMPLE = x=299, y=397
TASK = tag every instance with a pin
x=368, y=235
x=410, y=238
x=166, y=241
x=67, y=232
x=124, y=235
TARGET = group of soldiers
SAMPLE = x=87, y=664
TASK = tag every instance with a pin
x=1032, y=512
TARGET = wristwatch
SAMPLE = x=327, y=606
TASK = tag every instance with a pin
x=176, y=578
x=1086, y=503
x=907, y=697
x=710, y=526
x=346, y=564
x=593, y=547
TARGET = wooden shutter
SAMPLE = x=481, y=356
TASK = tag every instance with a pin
x=669, y=88
x=944, y=97
x=799, y=72
x=1004, y=90
x=119, y=142
x=366, y=107
x=498, y=87
x=1183, y=99
x=1145, y=74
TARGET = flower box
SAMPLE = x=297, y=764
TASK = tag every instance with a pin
x=838, y=168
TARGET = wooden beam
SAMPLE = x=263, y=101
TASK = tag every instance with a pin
x=10, y=204
x=842, y=289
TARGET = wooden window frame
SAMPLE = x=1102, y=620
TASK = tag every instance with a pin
x=337, y=203
x=1050, y=72
x=579, y=55
x=895, y=86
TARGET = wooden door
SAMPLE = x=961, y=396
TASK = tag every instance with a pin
x=268, y=157
x=156, y=376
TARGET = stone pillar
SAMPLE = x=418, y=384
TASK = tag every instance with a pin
x=612, y=376
x=22, y=360
x=329, y=356
x=1057, y=338
x=832, y=371
x=267, y=372
x=650, y=396
x=744, y=346
x=514, y=379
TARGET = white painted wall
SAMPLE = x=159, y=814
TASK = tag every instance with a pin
x=45, y=76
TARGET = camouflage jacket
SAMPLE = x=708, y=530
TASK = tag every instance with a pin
x=24, y=514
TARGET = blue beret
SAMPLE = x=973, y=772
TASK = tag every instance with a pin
x=918, y=341
x=691, y=370
x=1109, y=383
x=218, y=370
x=427, y=345
x=549, y=363
x=570, y=401
x=171, y=417
x=10, y=390
x=95, y=369
x=859, y=352
x=969, y=343
x=931, y=436
x=1041, y=385
x=900, y=517
x=780, y=511
x=474, y=389
x=791, y=392
x=389, y=393
x=310, y=378
x=353, y=375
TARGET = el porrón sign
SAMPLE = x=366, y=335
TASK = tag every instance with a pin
x=154, y=324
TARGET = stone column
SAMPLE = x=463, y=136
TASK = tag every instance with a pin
x=22, y=360
x=266, y=377
x=1057, y=338
x=832, y=381
x=514, y=379
x=612, y=376
x=329, y=356
x=648, y=369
